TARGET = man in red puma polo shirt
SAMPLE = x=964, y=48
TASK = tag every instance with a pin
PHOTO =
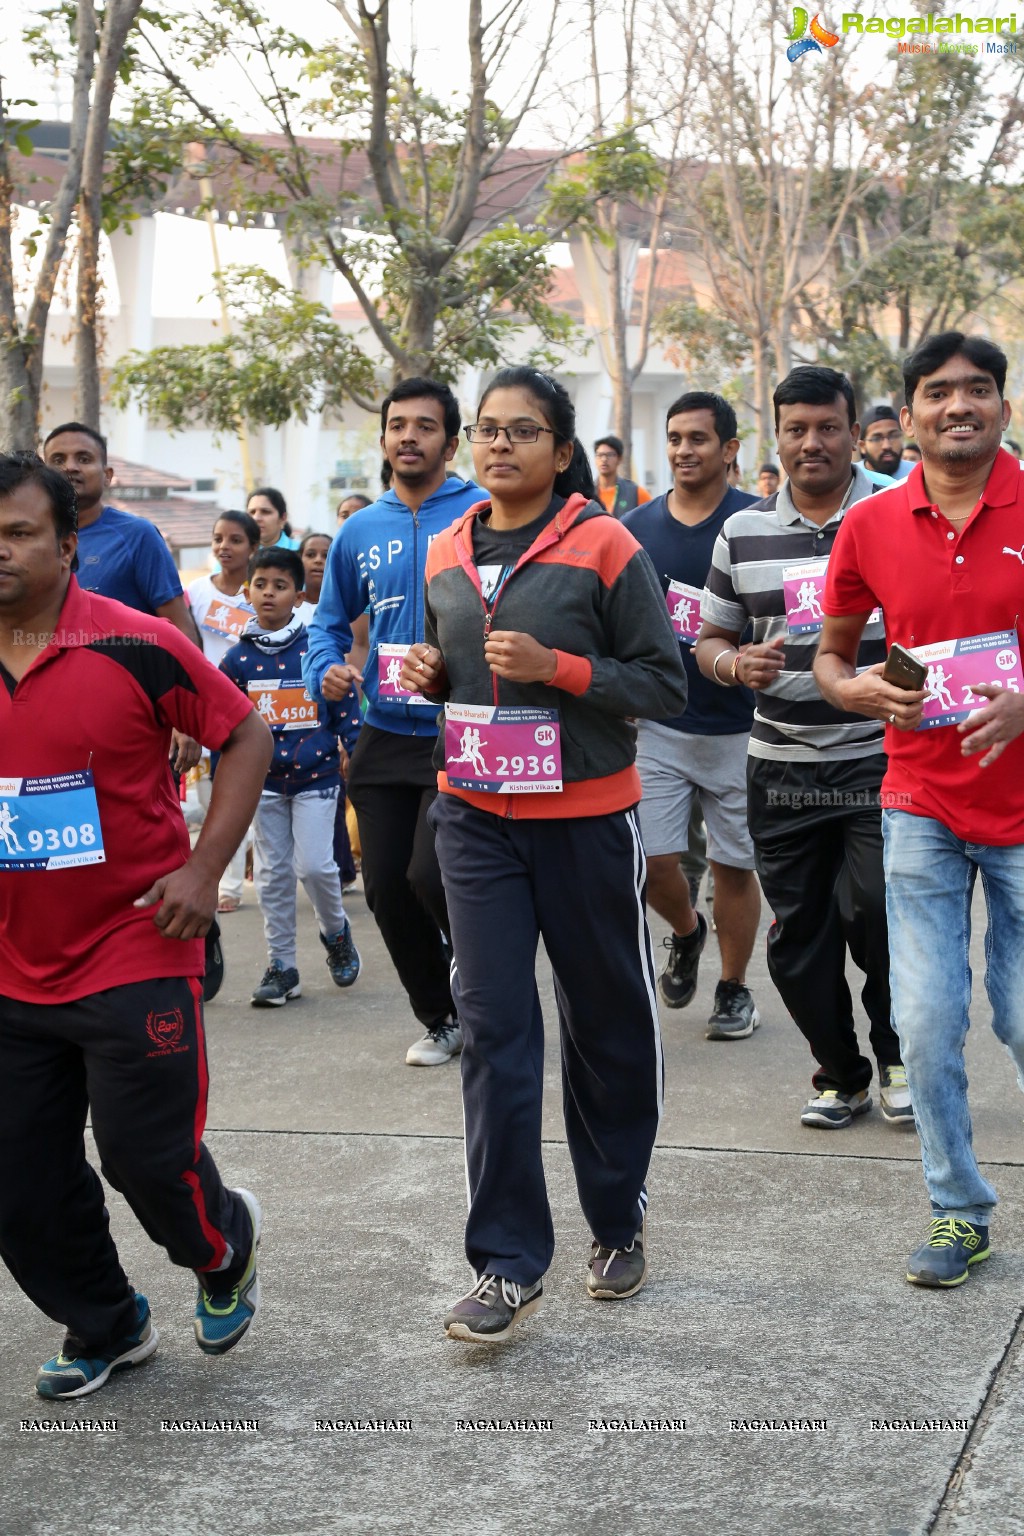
x=102, y=913
x=943, y=554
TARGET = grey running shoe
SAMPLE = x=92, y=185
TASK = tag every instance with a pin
x=437, y=1046
x=831, y=1110
x=734, y=1016
x=491, y=1309
x=894, y=1095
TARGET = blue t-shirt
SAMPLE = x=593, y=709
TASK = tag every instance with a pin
x=681, y=553
x=124, y=557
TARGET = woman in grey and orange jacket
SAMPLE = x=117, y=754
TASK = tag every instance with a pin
x=546, y=631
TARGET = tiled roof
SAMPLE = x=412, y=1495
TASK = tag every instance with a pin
x=183, y=523
x=128, y=476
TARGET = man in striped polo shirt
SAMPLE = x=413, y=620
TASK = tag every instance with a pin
x=813, y=772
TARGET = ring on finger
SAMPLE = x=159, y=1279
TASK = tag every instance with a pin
x=892, y=719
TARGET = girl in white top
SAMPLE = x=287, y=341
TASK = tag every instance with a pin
x=221, y=608
x=313, y=553
x=219, y=603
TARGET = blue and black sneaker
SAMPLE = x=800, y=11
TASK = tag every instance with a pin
x=77, y=1370
x=343, y=960
x=279, y=985
x=222, y=1316
x=952, y=1247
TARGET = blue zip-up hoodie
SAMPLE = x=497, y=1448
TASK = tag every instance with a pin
x=377, y=561
x=263, y=663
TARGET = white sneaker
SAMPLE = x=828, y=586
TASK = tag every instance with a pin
x=895, y=1095
x=437, y=1046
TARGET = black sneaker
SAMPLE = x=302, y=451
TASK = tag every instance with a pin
x=615, y=1273
x=678, y=981
x=343, y=960
x=278, y=985
x=77, y=1371
x=952, y=1247
x=734, y=1016
x=492, y=1309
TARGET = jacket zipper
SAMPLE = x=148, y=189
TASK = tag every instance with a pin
x=554, y=534
x=417, y=583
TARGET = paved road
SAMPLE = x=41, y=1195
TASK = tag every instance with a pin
x=776, y=1294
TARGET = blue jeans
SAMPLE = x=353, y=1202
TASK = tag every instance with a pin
x=930, y=877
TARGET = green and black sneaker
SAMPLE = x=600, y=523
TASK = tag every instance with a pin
x=952, y=1247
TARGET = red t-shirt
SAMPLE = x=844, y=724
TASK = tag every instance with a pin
x=897, y=550
x=102, y=697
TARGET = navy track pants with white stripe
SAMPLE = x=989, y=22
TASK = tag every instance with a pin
x=580, y=884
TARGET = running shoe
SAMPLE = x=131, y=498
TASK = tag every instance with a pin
x=831, y=1110
x=343, y=960
x=734, y=1016
x=279, y=984
x=74, y=1374
x=678, y=981
x=438, y=1045
x=894, y=1095
x=222, y=1316
x=951, y=1248
x=492, y=1309
x=614, y=1273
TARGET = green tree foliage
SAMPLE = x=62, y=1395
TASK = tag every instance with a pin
x=285, y=358
x=443, y=240
x=935, y=239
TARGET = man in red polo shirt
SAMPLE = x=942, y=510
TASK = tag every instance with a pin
x=943, y=554
x=102, y=914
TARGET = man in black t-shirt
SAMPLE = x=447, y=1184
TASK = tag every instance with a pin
x=703, y=750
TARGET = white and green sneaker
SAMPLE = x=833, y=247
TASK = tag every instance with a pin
x=832, y=1110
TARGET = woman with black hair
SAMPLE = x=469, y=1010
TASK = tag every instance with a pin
x=546, y=630
x=270, y=510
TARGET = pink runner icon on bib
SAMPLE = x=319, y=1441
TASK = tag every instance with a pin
x=953, y=665
x=803, y=587
x=684, y=610
x=389, y=670
x=508, y=751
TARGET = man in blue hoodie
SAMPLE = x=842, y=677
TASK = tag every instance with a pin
x=376, y=564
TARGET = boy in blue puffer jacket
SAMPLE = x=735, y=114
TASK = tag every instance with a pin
x=294, y=825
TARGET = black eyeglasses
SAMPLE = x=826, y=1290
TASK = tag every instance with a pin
x=518, y=432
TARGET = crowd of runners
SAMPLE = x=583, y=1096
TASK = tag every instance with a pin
x=497, y=693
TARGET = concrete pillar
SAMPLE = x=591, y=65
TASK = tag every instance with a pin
x=300, y=440
x=133, y=252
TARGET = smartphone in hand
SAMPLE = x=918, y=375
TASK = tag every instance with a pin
x=904, y=670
